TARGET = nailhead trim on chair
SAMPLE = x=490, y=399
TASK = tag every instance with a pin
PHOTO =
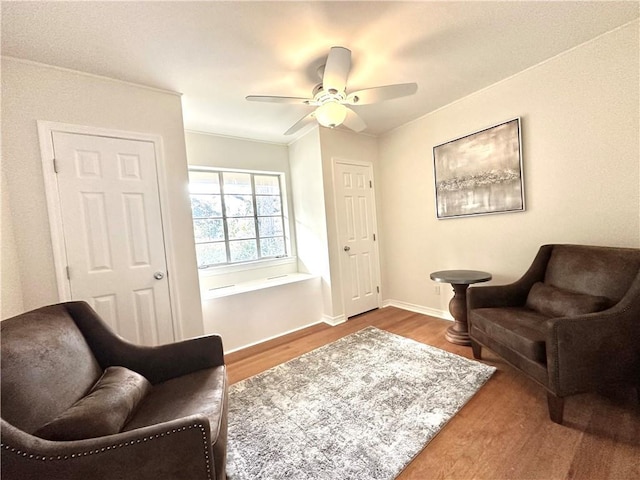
x=120, y=445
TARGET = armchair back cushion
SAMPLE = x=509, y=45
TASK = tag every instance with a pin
x=557, y=302
x=598, y=271
x=46, y=364
x=104, y=411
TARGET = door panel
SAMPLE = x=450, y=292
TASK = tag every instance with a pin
x=358, y=257
x=113, y=233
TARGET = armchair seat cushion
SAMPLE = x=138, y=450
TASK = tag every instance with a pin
x=519, y=329
x=200, y=392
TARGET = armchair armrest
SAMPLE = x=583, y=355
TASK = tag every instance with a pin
x=587, y=351
x=513, y=294
x=158, y=363
x=176, y=449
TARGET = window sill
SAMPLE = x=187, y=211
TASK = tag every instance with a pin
x=242, y=267
x=244, y=287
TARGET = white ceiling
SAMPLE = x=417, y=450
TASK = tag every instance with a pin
x=216, y=53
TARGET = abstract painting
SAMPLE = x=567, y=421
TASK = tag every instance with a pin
x=480, y=173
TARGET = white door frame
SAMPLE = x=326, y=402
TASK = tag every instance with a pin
x=336, y=202
x=45, y=134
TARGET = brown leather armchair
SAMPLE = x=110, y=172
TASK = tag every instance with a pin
x=571, y=323
x=67, y=415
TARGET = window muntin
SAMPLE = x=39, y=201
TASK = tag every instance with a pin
x=237, y=216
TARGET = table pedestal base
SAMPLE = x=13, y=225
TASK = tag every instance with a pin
x=458, y=333
x=459, y=338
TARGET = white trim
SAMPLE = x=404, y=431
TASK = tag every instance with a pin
x=45, y=134
x=273, y=337
x=52, y=195
x=208, y=168
x=253, y=285
x=287, y=220
x=333, y=321
x=246, y=266
x=369, y=165
x=91, y=75
x=233, y=137
x=432, y=312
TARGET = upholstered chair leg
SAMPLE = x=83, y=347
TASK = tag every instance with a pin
x=556, y=408
x=476, y=348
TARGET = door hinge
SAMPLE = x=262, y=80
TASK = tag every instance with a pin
x=378, y=289
x=68, y=272
x=374, y=237
x=370, y=184
x=55, y=165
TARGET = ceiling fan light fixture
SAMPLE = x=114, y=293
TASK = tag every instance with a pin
x=331, y=114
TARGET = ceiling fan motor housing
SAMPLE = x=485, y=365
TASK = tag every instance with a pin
x=321, y=96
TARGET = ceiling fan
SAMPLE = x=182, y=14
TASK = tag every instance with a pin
x=331, y=99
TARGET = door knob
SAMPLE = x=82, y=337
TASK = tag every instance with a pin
x=158, y=275
x=347, y=248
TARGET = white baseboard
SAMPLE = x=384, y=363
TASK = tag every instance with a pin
x=432, y=312
x=272, y=337
x=333, y=321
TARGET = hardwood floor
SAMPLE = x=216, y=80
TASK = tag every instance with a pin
x=504, y=431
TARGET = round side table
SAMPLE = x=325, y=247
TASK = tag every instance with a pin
x=460, y=280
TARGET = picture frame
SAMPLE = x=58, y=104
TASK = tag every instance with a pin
x=480, y=173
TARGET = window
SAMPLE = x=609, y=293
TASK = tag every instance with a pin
x=237, y=216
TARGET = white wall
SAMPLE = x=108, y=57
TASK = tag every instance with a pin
x=32, y=92
x=207, y=149
x=310, y=214
x=261, y=313
x=252, y=317
x=580, y=132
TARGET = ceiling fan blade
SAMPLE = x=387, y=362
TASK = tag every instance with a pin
x=301, y=123
x=380, y=94
x=273, y=99
x=336, y=71
x=354, y=121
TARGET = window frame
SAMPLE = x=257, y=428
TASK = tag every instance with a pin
x=261, y=261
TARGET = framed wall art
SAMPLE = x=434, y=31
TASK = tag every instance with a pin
x=480, y=173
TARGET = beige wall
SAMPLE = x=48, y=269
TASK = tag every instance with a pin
x=32, y=92
x=11, y=299
x=580, y=133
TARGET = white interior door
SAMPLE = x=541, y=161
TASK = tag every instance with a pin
x=113, y=236
x=356, y=232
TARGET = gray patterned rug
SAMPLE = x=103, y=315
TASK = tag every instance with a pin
x=360, y=408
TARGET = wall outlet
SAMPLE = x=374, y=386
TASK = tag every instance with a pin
x=436, y=289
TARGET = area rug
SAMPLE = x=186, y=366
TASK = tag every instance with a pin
x=360, y=408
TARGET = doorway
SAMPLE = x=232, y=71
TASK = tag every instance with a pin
x=107, y=228
x=356, y=217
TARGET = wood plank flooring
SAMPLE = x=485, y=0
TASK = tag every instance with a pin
x=504, y=431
